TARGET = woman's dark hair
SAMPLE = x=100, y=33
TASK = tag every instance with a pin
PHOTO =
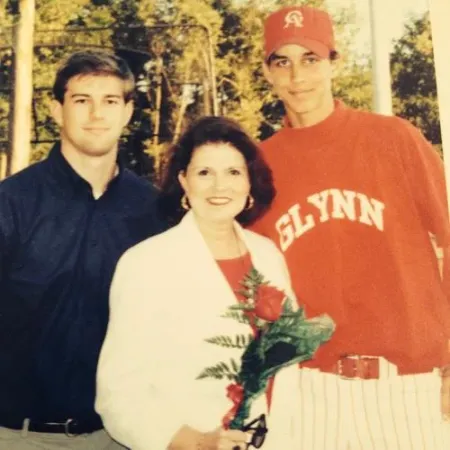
x=212, y=129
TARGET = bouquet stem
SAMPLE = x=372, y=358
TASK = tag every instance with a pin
x=242, y=414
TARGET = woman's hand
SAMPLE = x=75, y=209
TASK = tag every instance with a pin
x=221, y=439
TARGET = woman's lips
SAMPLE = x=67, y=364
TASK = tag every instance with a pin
x=219, y=200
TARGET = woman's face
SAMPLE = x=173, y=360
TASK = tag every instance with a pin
x=216, y=182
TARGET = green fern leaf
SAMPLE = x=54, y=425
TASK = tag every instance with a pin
x=220, y=371
x=240, y=341
x=236, y=315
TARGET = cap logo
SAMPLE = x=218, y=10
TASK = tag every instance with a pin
x=294, y=18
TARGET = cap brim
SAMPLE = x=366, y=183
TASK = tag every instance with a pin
x=321, y=50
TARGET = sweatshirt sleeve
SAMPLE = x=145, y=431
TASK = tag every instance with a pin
x=427, y=181
x=136, y=409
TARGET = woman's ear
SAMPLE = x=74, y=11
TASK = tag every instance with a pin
x=182, y=179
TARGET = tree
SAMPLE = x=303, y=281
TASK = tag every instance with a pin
x=414, y=79
x=7, y=9
x=217, y=40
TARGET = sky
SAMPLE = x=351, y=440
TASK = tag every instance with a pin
x=397, y=14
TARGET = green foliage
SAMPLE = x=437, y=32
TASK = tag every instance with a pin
x=414, y=79
x=7, y=13
x=251, y=280
x=238, y=316
x=198, y=41
x=291, y=339
x=239, y=341
x=56, y=14
x=354, y=86
x=221, y=371
x=7, y=18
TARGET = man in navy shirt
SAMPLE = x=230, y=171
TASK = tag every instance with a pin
x=64, y=223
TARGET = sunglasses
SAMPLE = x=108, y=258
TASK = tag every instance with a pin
x=259, y=429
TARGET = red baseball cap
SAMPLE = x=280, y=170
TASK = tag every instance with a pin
x=309, y=27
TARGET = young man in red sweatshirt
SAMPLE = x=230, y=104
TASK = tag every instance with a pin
x=358, y=195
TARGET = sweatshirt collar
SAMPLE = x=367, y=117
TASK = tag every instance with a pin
x=322, y=132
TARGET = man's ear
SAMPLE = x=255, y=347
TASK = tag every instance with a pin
x=129, y=108
x=56, y=112
x=267, y=73
x=335, y=68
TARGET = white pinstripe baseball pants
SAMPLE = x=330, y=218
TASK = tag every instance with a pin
x=390, y=413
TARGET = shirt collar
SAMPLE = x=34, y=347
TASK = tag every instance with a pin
x=65, y=173
x=338, y=107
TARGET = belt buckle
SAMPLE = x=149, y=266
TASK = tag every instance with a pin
x=360, y=367
x=340, y=367
x=66, y=428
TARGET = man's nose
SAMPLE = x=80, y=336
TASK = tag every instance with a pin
x=297, y=73
x=96, y=110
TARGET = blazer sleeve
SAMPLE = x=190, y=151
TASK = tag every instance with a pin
x=8, y=231
x=135, y=410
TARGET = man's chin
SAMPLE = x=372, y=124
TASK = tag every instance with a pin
x=304, y=107
x=97, y=149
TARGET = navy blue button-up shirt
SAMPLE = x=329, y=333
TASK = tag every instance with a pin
x=58, y=250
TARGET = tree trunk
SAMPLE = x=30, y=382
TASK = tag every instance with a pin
x=23, y=88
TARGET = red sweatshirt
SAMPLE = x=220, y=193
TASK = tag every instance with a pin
x=357, y=196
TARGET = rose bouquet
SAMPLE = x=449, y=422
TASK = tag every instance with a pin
x=282, y=335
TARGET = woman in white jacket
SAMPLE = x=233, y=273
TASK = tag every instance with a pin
x=170, y=292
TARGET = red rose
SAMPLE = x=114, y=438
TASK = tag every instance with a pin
x=235, y=392
x=268, y=303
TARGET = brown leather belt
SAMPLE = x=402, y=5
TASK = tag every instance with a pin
x=357, y=367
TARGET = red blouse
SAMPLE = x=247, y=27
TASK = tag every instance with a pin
x=235, y=270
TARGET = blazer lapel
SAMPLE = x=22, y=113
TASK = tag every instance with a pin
x=206, y=280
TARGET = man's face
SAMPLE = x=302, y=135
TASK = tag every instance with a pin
x=93, y=114
x=302, y=81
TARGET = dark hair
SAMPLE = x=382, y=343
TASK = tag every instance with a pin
x=333, y=56
x=93, y=62
x=212, y=129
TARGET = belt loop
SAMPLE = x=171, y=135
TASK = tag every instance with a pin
x=67, y=428
x=388, y=369
x=385, y=369
x=25, y=426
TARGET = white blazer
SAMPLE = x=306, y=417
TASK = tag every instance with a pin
x=167, y=296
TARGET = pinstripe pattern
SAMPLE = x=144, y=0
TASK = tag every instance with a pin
x=392, y=413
